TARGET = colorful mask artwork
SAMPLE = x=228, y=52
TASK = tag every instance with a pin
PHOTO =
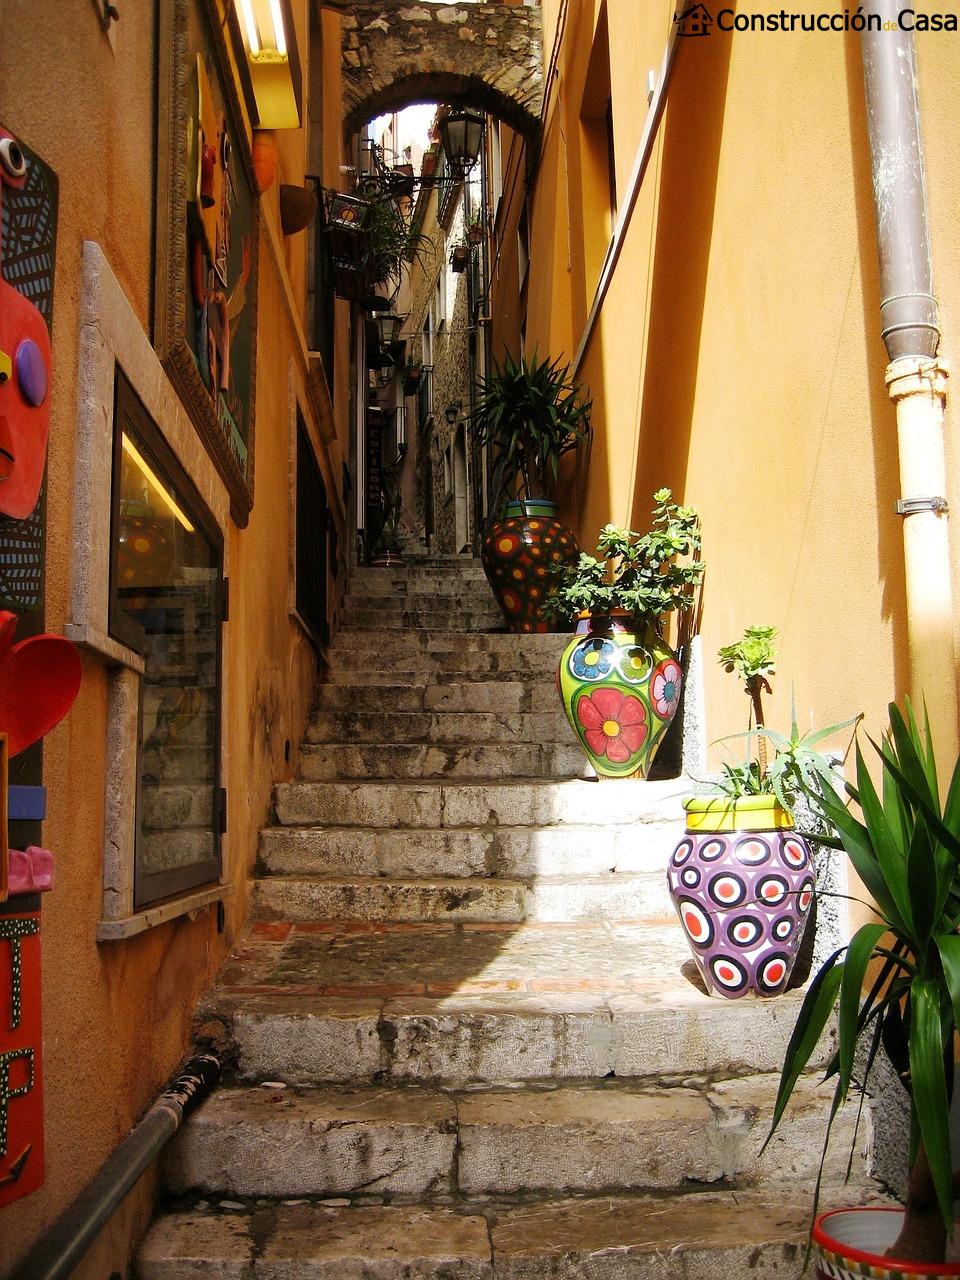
x=219, y=269
x=25, y=373
x=21, y=1048
x=39, y=681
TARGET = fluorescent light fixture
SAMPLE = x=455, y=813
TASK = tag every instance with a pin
x=269, y=62
x=279, y=35
x=137, y=458
x=264, y=33
x=251, y=37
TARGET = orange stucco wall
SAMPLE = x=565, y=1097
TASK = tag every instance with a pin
x=737, y=356
x=117, y=1015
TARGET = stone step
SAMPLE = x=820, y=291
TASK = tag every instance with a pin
x=445, y=666
x=452, y=804
x=473, y=599
x=522, y=853
x=317, y=1003
x=705, y=1235
x=419, y=760
x=376, y=898
x=443, y=582
x=508, y=697
x=454, y=728
x=411, y=1141
x=427, y=641
x=400, y=619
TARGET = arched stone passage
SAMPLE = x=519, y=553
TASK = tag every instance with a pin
x=485, y=55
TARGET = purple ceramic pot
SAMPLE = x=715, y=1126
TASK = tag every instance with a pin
x=741, y=880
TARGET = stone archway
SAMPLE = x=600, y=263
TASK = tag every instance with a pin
x=489, y=56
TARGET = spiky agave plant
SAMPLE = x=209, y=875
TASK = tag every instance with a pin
x=905, y=848
x=532, y=413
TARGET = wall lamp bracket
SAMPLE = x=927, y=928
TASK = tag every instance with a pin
x=913, y=506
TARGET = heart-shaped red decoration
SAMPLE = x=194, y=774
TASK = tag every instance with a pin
x=39, y=681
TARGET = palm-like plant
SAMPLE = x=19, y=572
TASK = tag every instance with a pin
x=906, y=850
x=532, y=414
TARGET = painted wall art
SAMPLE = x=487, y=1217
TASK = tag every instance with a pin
x=28, y=209
x=205, y=316
x=39, y=681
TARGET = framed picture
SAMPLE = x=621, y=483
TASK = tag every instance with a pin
x=205, y=297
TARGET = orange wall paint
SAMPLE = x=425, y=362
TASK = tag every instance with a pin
x=117, y=1015
x=737, y=356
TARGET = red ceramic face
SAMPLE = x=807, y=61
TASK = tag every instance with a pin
x=25, y=371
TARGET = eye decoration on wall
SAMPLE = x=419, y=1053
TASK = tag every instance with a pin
x=28, y=205
x=26, y=366
x=206, y=247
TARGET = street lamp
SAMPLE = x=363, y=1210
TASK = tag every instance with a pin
x=390, y=325
x=461, y=131
x=452, y=412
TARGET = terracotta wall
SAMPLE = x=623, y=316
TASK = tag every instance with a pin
x=737, y=357
x=117, y=1015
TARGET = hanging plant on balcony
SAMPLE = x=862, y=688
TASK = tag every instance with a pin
x=529, y=415
x=618, y=679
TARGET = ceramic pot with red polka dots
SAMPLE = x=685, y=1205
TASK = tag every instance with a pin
x=742, y=883
x=620, y=691
x=518, y=554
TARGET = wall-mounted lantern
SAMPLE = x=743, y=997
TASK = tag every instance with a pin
x=462, y=133
x=269, y=62
x=452, y=413
x=390, y=325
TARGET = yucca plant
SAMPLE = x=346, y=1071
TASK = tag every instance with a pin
x=532, y=414
x=897, y=982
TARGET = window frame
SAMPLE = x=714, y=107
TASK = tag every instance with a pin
x=150, y=888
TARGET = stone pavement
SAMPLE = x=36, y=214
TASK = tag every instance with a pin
x=462, y=1034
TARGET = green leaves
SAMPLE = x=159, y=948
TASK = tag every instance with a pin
x=753, y=656
x=532, y=414
x=906, y=850
x=648, y=575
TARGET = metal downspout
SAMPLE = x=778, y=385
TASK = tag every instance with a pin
x=59, y=1250
x=916, y=378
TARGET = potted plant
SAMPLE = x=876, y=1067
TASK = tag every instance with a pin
x=618, y=679
x=476, y=232
x=742, y=879
x=529, y=414
x=897, y=985
x=412, y=373
x=459, y=258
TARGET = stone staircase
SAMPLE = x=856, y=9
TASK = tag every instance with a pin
x=462, y=1034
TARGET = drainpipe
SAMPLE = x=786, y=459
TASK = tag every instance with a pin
x=916, y=377
x=58, y=1252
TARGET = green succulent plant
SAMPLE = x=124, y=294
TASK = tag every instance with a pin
x=648, y=575
x=532, y=414
x=896, y=984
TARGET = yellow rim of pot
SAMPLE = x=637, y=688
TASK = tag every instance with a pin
x=744, y=813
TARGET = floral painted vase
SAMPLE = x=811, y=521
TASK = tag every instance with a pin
x=741, y=881
x=619, y=692
x=518, y=554
x=852, y=1243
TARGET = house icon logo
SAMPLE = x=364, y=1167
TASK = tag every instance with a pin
x=694, y=21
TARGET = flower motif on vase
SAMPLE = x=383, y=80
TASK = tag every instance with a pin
x=635, y=664
x=665, y=688
x=614, y=724
x=593, y=659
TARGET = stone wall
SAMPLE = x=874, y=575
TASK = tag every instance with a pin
x=451, y=374
x=487, y=56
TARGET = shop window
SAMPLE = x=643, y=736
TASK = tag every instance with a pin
x=167, y=604
x=312, y=529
